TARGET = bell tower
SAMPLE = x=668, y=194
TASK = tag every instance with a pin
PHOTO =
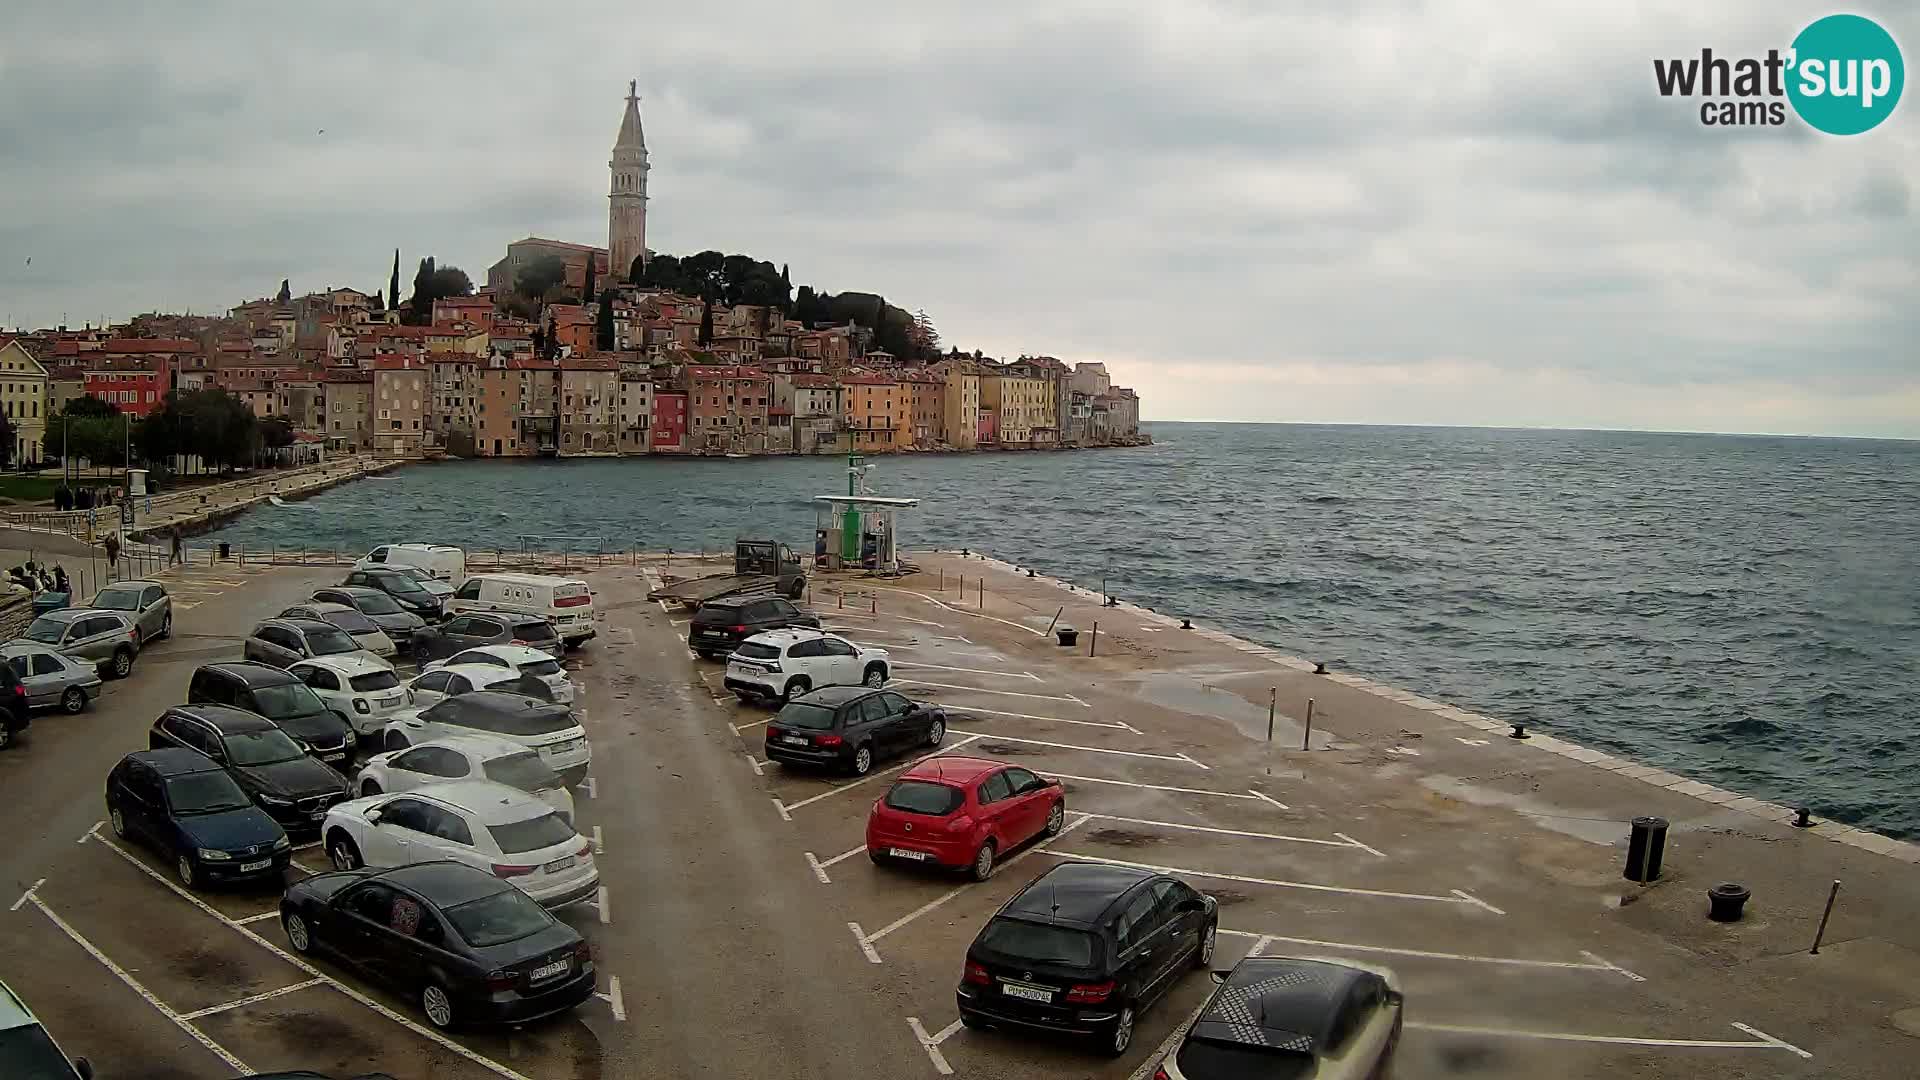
x=627, y=195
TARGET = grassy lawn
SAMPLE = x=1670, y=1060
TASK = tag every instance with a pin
x=28, y=488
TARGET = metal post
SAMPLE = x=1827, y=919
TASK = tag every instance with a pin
x=1273, y=701
x=1306, y=737
x=1055, y=619
x=876, y=603
x=983, y=592
x=1824, y=916
x=1093, y=640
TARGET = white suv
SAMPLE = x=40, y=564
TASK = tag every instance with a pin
x=360, y=689
x=781, y=664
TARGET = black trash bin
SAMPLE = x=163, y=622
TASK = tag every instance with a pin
x=225, y=551
x=1645, y=849
x=1067, y=635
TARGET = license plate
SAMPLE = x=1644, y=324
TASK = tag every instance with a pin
x=337, y=756
x=386, y=701
x=1026, y=993
x=558, y=865
x=318, y=815
x=903, y=853
x=548, y=971
x=250, y=867
x=794, y=740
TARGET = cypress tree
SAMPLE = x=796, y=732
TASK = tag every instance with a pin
x=706, y=323
x=586, y=291
x=393, y=284
x=603, y=326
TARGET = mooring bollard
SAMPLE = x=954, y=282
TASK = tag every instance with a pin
x=1802, y=818
x=1646, y=848
x=1519, y=732
x=1186, y=624
x=1319, y=667
x=983, y=592
x=876, y=603
x=1067, y=636
x=1821, y=933
x=1725, y=901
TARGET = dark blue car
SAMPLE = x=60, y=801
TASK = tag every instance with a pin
x=184, y=804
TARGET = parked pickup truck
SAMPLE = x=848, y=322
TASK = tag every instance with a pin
x=760, y=568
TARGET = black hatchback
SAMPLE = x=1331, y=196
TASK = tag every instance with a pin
x=1084, y=949
x=380, y=609
x=851, y=727
x=282, y=698
x=191, y=809
x=467, y=946
x=405, y=589
x=721, y=625
x=471, y=629
x=294, y=788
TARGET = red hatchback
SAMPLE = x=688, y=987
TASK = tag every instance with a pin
x=960, y=812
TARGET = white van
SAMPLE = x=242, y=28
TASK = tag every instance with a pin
x=449, y=564
x=567, y=603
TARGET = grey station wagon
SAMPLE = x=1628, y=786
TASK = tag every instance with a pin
x=145, y=602
x=107, y=638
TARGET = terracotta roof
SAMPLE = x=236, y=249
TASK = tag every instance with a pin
x=707, y=372
x=870, y=380
x=814, y=381
x=149, y=345
x=589, y=363
x=396, y=363
x=348, y=375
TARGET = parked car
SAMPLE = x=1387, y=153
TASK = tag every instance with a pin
x=492, y=827
x=1276, y=1015
x=955, y=812
x=1083, y=950
x=281, y=698
x=439, y=561
x=466, y=757
x=15, y=713
x=361, y=691
x=27, y=1051
x=406, y=591
x=275, y=772
x=364, y=631
x=469, y=947
x=567, y=603
x=547, y=727
x=462, y=632
x=429, y=687
x=281, y=642
x=191, y=809
x=107, y=639
x=145, y=602
x=427, y=581
x=781, y=664
x=382, y=610
x=521, y=660
x=719, y=626
x=51, y=680
x=851, y=727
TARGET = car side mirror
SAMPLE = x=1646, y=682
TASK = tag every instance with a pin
x=1220, y=976
x=83, y=1067
x=1395, y=998
x=1196, y=904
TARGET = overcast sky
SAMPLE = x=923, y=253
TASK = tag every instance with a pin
x=1384, y=211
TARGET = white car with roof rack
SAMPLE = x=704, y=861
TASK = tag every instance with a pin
x=539, y=725
x=465, y=757
x=782, y=664
x=431, y=686
x=489, y=826
x=518, y=659
x=357, y=688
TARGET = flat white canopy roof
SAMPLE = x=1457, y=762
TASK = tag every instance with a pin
x=865, y=500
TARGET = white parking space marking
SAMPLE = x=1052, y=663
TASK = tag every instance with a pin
x=1343, y=842
x=614, y=999
x=999, y=693
x=593, y=788
x=1594, y=962
x=782, y=808
x=1161, y=787
x=787, y=808
x=962, y=611
x=1266, y=798
x=1386, y=894
x=147, y=995
x=1072, y=746
x=866, y=945
x=262, y=917
x=599, y=843
x=602, y=904
x=820, y=868
x=754, y=763
x=931, y=1043
x=28, y=895
x=1117, y=724
x=970, y=670
x=819, y=871
x=1761, y=1040
x=750, y=725
x=1371, y=851
x=245, y=1001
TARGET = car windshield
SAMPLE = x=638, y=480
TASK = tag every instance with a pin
x=505, y=916
x=206, y=793
x=533, y=632
x=46, y=631
x=1038, y=943
x=330, y=642
x=400, y=583
x=27, y=1053
x=532, y=834
x=541, y=668
x=374, y=680
x=801, y=714
x=416, y=573
x=261, y=747
x=524, y=771
x=758, y=650
x=287, y=700
x=118, y=599
x=921, y=797
x=377, y=604
x=350, y=621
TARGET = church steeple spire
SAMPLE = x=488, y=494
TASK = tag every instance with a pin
x=627, y=195
x=630, y=133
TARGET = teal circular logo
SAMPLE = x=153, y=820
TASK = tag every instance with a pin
x=1846, y=74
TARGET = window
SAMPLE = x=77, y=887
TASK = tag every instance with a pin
x=1020, y=781
x=544, y=831
x=447, y=825
x=319, y=678
x=832, y=646
x=44, y=664
x=372, y=902
x=1136, y=922
x=994, y=788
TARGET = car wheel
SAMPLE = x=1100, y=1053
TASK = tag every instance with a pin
x=119, y=823
x=878, y=857
x=937, y=734
x=297, y=934
x=422, y=653
x=876, y=676
x=1120, y=1034
x=166, y=626
x=396, y=741
x=122, y=662
x=437, y=1005
x=863, y=761
x=73, y=700
x=183, y=868
x=369, y=787
x=6, y=734
x=795, y=687
x=982, y=866
x=343, y=853
x=1203, y=956
x=1056, y=818
x=799, y=589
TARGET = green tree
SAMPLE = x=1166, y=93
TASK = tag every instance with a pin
x=393, y=284
x=603, y=323
x=285, y=295
x=638, y=273
x=586, y=289
x=275, y=433
x=539, y=277
x=447, y=281
x=88, y=405
x=706, y=322
x=6, y=440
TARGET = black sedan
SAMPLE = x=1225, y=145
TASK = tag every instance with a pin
x=397, y=622
x=187, y=806
x=469, y=947
x=264, y=760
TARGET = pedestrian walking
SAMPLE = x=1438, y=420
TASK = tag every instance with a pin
x=113, y=552
x=175, y=556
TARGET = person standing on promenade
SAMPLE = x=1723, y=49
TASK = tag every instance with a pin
x=175, y=556
x=113, y=552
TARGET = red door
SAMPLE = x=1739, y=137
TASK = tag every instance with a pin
x=1029, y=803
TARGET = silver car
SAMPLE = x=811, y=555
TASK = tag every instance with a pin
x=107, y=638
x=358, y=626
x=282, y=642
x=52, y=680
x=145, y=602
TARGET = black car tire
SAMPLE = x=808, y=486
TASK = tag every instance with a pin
x=876, y=676
x=299, y=935
x=796, y=686
x=706, y=654
x=6, y=734
x=343, y=853
x=422, y=652
x=74, y=700
x=1203, y=953
x=370, y=787
x=438, y=1005
x=1056, y=818
x=862, y=762
x=166, y=626
x=981, y=868
x=799, y=589
x=122, y=662
x=1118, y=1036
x=118, y=822
x=183, y=869
x=937, y=732
x=878, y=857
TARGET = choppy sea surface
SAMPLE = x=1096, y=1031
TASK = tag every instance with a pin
x=1744, y=609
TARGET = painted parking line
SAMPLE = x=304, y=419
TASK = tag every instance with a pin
x=1341, y=843
x=997, y=693
x=1592, y=963
x=787, y=808
x=1074, y=746
x=748, y=726
x=970, y=670
x=1760, y=1041
x=1455, y=896
x=262, y=917
x=614, y=999
x=1249, y=794
x=931, y=1043
x=1119, y=725
x=819, y=866
x=963, y=611
x=253, y=999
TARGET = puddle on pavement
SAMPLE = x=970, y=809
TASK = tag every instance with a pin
x=1186, y=693
x=1003, y=750
x=1125, y=837
x=1592, y=827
